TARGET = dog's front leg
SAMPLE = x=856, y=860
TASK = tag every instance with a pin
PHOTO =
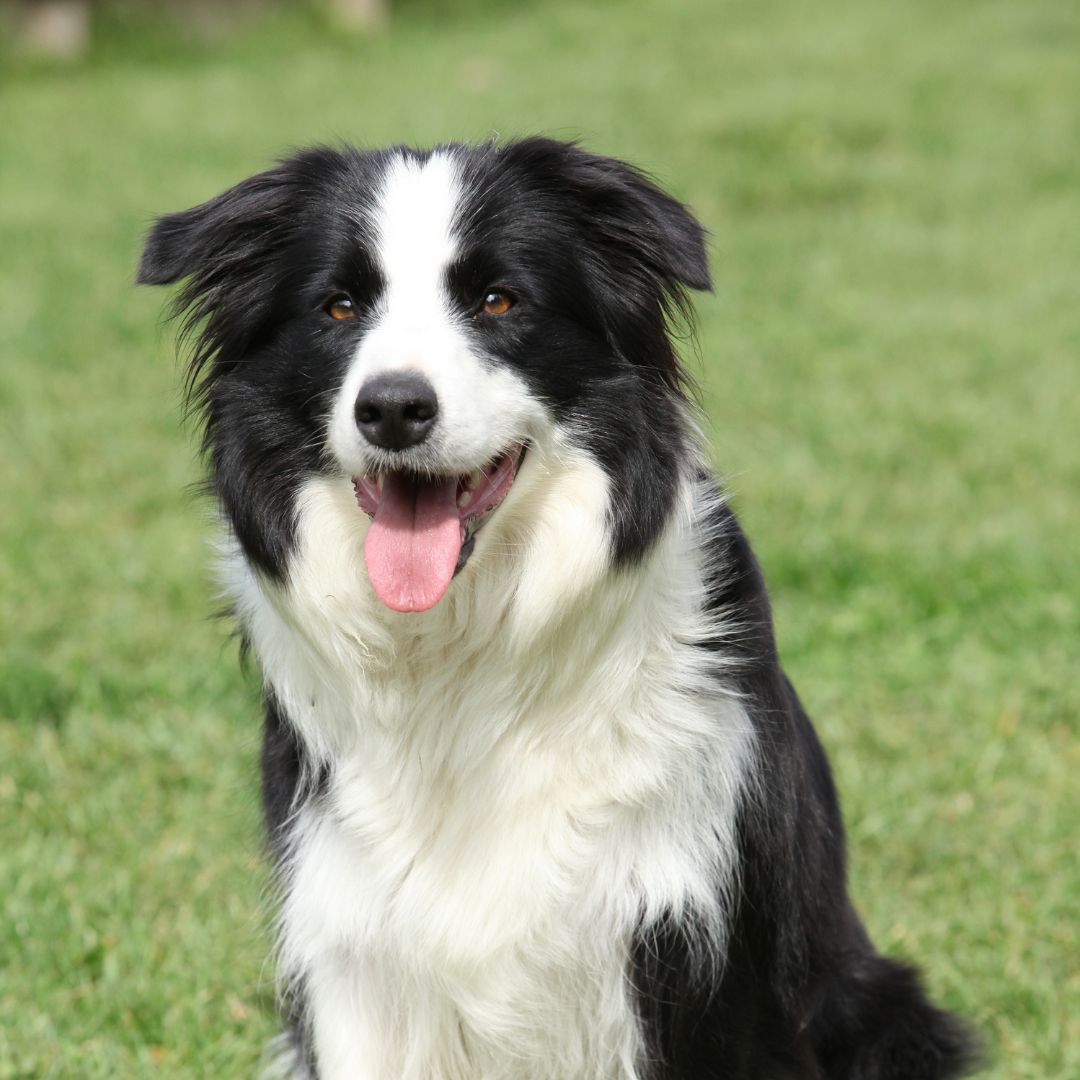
x=344, y=1021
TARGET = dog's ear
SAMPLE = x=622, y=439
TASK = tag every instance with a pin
x=231, y=254
x=623, y=211
x=639, y=249
x=236, y=226
x=633, y=211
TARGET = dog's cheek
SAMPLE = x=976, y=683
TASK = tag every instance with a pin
x=566, y=540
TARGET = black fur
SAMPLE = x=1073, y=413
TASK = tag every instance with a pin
x=605, y=259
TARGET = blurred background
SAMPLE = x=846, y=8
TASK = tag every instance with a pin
x=890, y=368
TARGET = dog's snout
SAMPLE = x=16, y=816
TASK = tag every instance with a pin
x=396, y=410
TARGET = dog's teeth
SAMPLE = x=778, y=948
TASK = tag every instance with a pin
x=464, y=497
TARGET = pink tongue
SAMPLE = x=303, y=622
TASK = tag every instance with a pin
x=413, y=543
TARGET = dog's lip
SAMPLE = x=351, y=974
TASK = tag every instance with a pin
x=479, y=492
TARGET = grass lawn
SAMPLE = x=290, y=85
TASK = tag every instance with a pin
x=891, y=363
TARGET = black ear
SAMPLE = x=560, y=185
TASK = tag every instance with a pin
x=232, y=253
x=628, y=200
x=624, y=209
x=237, y=225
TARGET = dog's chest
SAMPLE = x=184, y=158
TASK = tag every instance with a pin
x=502, y=816
x=461, y=865
x=480, y=918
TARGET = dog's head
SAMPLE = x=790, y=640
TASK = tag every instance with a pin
x=425, y=325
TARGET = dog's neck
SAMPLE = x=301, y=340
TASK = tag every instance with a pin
x=537, y=617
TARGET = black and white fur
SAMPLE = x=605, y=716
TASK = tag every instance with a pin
x=571, y=823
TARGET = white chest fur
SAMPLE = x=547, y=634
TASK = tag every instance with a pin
x=510, y=796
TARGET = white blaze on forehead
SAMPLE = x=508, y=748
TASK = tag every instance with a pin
x=414, y=233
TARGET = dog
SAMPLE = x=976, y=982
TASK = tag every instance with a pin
x=541, y=802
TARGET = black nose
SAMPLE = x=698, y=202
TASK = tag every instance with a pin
x=396, y=410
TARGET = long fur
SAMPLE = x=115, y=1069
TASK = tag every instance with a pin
x=572, y=821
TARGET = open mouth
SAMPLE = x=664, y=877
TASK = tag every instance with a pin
x=423, y=528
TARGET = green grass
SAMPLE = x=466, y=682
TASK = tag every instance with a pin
x=890, y=363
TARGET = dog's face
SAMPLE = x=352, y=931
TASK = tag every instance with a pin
x=426, y=324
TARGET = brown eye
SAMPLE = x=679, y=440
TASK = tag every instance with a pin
x=341, y=307
x=496, y=302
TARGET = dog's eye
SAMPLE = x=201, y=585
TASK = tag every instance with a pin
x=496, y=302
x=341, y=307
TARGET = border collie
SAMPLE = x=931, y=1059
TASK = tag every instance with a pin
x=542, y=803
